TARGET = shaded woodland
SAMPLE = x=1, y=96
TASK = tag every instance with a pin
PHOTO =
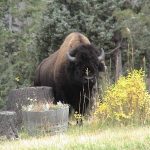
x=31, y=30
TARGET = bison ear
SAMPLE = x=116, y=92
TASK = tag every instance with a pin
x=102, y=55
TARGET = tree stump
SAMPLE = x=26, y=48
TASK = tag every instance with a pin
x=8, y=124
x=55, y=120
x=24, y=96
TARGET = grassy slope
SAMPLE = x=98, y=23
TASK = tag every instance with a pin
x=80, y=139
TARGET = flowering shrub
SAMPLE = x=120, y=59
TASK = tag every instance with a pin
x=79, y=118
x=127, y=101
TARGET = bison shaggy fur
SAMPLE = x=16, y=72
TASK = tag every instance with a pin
x=72, y=71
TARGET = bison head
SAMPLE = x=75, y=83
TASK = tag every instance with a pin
x=84, y=64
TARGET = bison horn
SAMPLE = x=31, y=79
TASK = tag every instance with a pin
x=101, y=57
x=71, y=58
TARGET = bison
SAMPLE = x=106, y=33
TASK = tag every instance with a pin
x=72, y=71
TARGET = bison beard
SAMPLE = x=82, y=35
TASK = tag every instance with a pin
x=72, y=71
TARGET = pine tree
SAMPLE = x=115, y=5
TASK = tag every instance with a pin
x=135, y=27
x=99, y=20
x=18, y=24
x=92, y=18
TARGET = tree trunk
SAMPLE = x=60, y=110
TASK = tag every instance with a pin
x=52, y=121
x=118, y=64
x=117, y=38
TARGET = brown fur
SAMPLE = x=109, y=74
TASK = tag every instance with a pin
x=54, y=62
x=71, y=41
x=67, y=77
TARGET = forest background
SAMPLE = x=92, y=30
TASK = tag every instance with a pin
x=30, y=30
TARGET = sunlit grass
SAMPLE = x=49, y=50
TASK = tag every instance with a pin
x=81, y=138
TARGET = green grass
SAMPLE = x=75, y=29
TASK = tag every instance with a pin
x=89, y=137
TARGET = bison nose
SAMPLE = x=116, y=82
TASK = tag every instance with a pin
x=89, y=79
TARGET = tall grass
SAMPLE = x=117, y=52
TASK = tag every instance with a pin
x=124, y=138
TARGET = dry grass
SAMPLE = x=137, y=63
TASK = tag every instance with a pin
x=105, y=139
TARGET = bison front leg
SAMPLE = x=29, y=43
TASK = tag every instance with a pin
x=59, y=95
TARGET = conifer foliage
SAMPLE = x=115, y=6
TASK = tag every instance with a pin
x=30, y=30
